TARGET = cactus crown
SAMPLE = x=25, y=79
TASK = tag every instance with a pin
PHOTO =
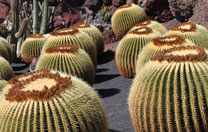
x=63, y=49
x=144, y=23
x=66, y=31
x=125, y=6
x=82, y=24
x=185, y=27
x=40, y=85
x=181, y=54
x=169, y=40
x=36, y=36
x=142, y=31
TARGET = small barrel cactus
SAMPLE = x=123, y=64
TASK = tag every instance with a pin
x=72, y=36
x=194, y=32
x=170, y=93
x=125, y=17
x=6, y=71
x=68, y=59
x=5, y=49
x=50, y=102
x=129, y=48
x=152, y=24
x=157, y=45
x=31, y=47
x=93, y=32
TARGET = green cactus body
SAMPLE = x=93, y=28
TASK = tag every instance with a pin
x=5, y=49
x=93, y=32
x=31, y=47
x=157, y=45
x=68, y=59
x=3, y=83
x=50, y=102
x=72, y=36
x=125, y=17
x=170, y=93
x=6, y=71
x=129, y=48
x=194, y=32
x=152, y=24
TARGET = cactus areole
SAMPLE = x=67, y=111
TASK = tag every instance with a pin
x=125, y=6
x=47, y=85
x=170, y=40
x=141, y=31
x=64, y=32
x=36, y=36
x=185, y=27
x=63, y=49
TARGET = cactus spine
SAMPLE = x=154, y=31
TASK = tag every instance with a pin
x=194, y=32
x=170, y=93
x=31, y=47
x=72, y=36
x=68, y=59
x=157, y=45
x=129, y=48
x=125, y=17
x=152, y=24
x=49, y=101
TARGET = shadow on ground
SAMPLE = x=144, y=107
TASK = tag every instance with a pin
x=110, y=130
x=108, y=92
x=102, y=78
x=101, y=70
x=106, y=57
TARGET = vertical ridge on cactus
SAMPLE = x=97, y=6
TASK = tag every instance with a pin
x=170, y=93
x=194, y=32
x=157, y=45
x=70, y=60
x=31, y=47
x=50, y=101
x=93, y=32
x=72, y=36
x=129, y=48
x=125, y=17
x=6, y=71
x=5, y=49
x=152, y=24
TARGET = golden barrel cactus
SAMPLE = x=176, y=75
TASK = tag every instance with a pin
x=125, y=17
x=93, y=32
x=6, y=71
x=68, y=59
x=5, y=49
x=157, y=45
x=129, y=48
x=194, y=32
x=152, y=24
x=170, y=93
x=72, y=36
x=31, y=47
x=50, y=102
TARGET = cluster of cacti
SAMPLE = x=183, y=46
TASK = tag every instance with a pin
x=68, y=59
x=6, y=71
x=129, y=48
x=49, y=101
x=125, y=17
x=31, y=47
x=5, y=49
x=157, y=45
x=72, y=36
x=93, y=32
x=170, y=93
x=194, y=32
x=152, y=24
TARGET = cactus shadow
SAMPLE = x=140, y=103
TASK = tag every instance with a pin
x=103, y=93
x=111, y=130
x=101, y=70
x=106, y=57
x=102, y=78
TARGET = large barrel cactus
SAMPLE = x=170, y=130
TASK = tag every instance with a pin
x=125, y=17
x=72, y=36
x=68, y=59
x=170, y=93
x=6, y=71
x=157, y=45
x=152, y=24
x=93, y=32
x=31, y=47
x=5, y=49
x=50, y=102
x=129, y=48
x=194, y=32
